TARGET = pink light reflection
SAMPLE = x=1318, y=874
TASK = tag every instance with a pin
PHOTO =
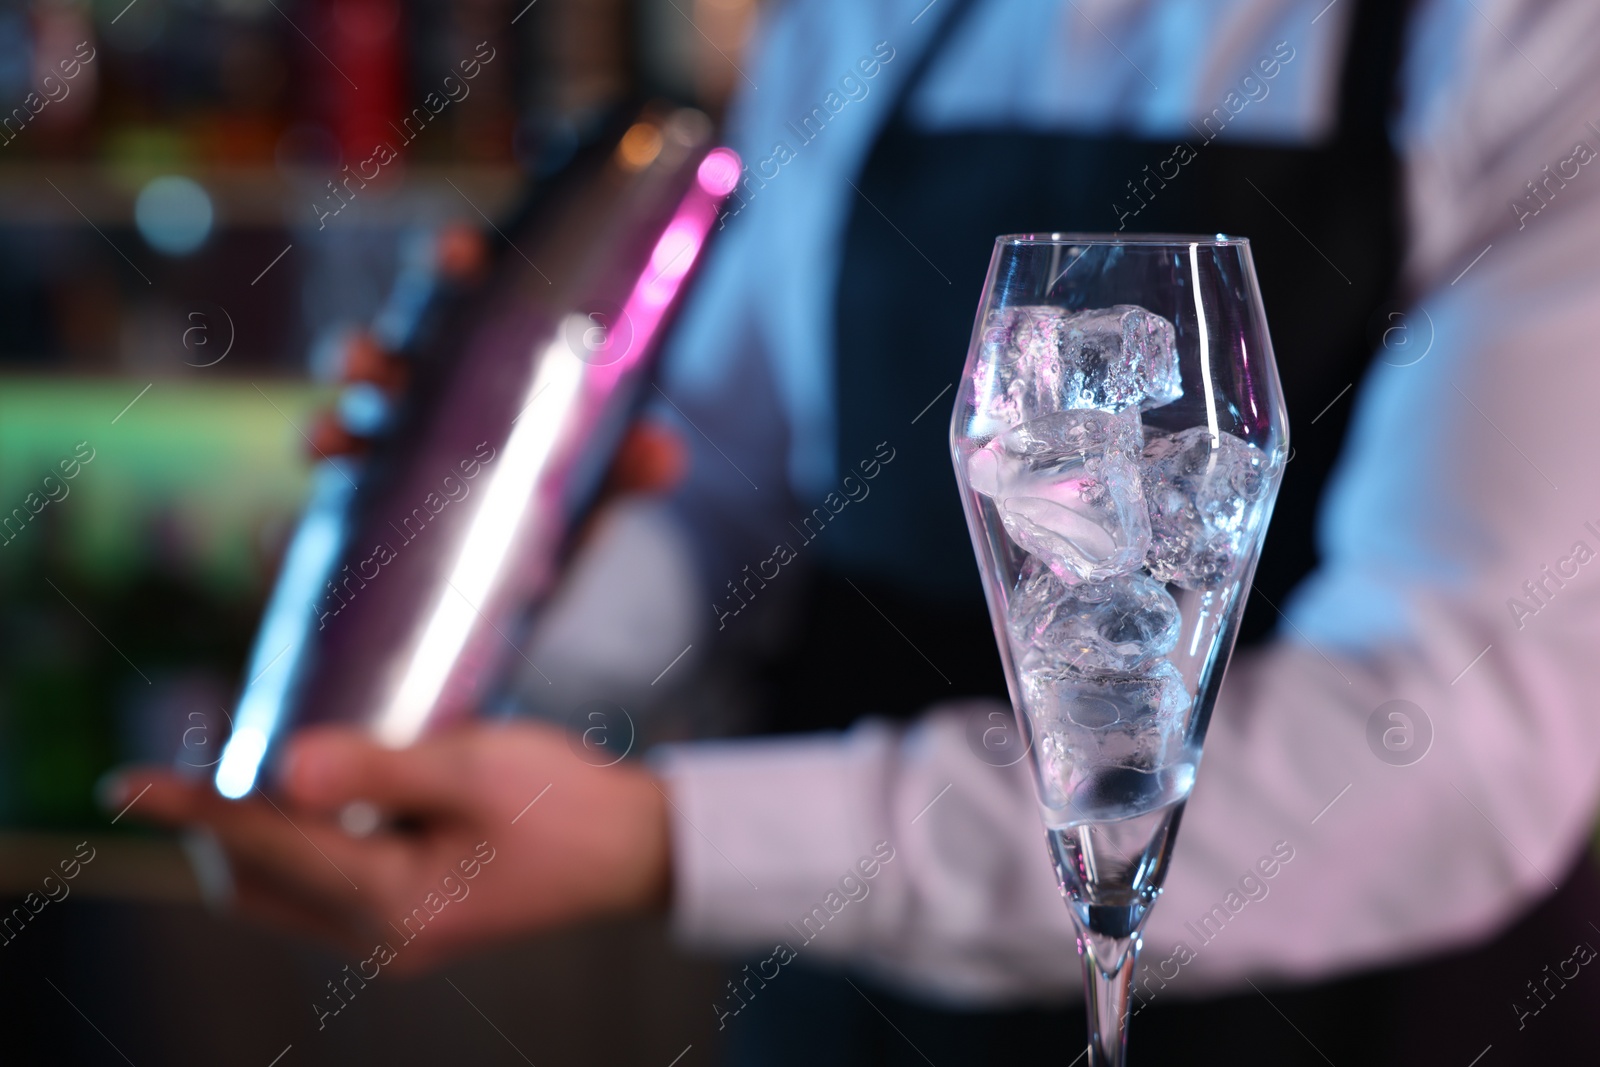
x=674, y=255
x=719, y=171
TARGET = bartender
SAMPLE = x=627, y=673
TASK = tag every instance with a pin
x=1416, y=182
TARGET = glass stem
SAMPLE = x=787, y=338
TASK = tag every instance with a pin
x=1108, y=972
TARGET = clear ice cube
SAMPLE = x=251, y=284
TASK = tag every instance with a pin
x=1202, y=505
x=1067, y=487
x=1087, y=721
x=1040, y=359
x=1121, y=624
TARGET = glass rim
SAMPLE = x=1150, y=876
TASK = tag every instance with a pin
x=1215, y=240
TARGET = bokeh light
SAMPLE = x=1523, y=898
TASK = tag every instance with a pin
x=173, y=214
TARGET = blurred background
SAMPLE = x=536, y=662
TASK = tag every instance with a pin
x=171, y=288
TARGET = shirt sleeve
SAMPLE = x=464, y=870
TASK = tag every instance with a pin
x=1459, y=541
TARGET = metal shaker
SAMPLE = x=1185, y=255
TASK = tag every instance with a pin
x=406, y=580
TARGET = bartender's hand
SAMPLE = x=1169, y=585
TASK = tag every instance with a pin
x=595, y=842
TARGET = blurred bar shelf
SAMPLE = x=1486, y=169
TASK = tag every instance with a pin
x=258, y=197
x=124, y=868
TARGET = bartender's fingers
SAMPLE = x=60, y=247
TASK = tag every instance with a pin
x=460, y=253
x=365, y=360
x=651, y=459
x=328, y=767
x=329, y=438
x=312, y=853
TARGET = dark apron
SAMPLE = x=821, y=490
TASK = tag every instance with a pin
x=902, y=333
x=1325, y=231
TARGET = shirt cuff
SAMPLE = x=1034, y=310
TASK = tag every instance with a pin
x=767, y=832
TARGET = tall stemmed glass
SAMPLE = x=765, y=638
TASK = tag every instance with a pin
x=1119, y=437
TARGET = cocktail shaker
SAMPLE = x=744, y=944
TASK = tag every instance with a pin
x=410, y=574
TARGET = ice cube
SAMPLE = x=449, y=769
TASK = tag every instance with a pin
x=1068, y=491
x=1120, y=624
x=1202, y=500
x=1126, y=355
x=1091, y=720
x=1039, y=359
